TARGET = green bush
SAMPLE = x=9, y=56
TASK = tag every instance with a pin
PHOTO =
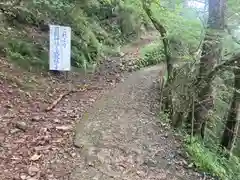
x=151, y=55
x=209, y=160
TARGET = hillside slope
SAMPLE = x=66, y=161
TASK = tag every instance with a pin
x=98, y=27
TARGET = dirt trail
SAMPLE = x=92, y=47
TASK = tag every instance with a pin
x=120, y=137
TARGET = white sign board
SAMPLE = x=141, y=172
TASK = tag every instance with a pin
x=60, y=48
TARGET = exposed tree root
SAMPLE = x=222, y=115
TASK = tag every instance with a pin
x=63, y=95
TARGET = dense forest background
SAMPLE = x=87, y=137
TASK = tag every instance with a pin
x=199, y=45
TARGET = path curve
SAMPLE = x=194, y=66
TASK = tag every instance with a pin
x=120, y=137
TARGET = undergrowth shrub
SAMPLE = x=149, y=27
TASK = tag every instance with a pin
x=210, y=160
x=206, y=154
x=151, y=54
x=26, y=54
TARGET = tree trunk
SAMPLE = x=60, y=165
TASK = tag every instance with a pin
x=211, y=53
x=233, y=115
x=159, y=27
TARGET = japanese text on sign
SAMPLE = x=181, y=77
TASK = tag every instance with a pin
x=60, y=48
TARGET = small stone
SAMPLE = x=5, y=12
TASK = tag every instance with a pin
x=73, y=154
x=121, y=54
x=140, y=173
x=36, y=118
x=150, y=163
x=78, y=145
x=90, y=164
x=64, y=128
x=130, y=63
x=13, y=131
x=33, y=170
x=21, y=125
x=184, y=162
x=190, y=165
x=91, y=100
x=165, y=135
x=122, y=68
x=136, y=67
x=56, y=120
x=28, y=94
x=23, y=176
x=8, y=106
x=73, y=115
x=22, y=110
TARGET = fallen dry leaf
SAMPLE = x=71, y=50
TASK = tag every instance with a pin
x=35, y=157
x=42, y=148
x=63, y=128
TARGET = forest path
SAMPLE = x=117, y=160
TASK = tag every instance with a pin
x=121, y=137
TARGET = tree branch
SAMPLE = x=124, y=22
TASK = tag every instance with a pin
x=160, y=28
x=234, y=60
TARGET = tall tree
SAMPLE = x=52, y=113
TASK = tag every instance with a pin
x=211, y=54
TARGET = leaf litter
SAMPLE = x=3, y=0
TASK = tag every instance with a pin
x=36, y=131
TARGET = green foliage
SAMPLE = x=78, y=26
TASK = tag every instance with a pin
x=184, y=34
x=206, y=154
x=179, y=27
x=26, y=54
x=96, y=25
x=151, y=54
x=130, y=24
x=22, y=50
x=211, y=161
